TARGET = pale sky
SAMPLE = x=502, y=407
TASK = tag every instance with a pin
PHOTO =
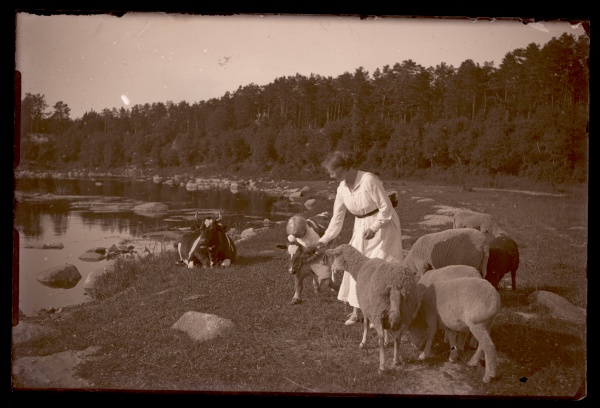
x=93, y=62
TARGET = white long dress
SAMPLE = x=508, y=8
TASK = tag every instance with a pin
x=367, y=195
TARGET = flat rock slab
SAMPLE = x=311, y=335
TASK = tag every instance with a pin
x=92, y=257
x=58, y=245
x=26, y=332
x=52, y=371
x=203, y=326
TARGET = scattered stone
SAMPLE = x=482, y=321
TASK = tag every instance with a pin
x=65, y=276
x=91, y=285
x=247, y=233
x=203, y=326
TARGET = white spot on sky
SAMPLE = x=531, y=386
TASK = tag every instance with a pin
x=125, y=99
x=205, y=50
x=539, y=26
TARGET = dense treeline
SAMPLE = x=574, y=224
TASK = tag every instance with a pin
x=526, y=118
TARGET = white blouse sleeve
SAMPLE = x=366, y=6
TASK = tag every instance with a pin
x=337, y=220
x=381, y=198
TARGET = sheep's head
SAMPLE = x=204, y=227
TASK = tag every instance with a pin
x=339, y=262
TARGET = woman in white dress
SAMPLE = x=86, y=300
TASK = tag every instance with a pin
x=376, y=231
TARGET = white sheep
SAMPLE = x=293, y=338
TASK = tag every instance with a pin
x=463, y=246
x=480, y=221
x=461, y=304
x=439, y=275
x=387, y=294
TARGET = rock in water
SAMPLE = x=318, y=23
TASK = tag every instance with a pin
x=65, y=276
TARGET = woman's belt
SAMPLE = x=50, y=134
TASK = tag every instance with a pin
x=375, y=211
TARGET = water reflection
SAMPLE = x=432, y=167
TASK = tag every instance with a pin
x=100, y=213
x=235, y=205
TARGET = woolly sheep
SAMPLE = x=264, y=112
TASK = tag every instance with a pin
x=387, y=294
x=419, y=323
x=480, y=221
x=463, y=246
x=503, y=258
x=461, y=304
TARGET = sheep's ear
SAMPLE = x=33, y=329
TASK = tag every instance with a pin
x=336, y=251
x=281, y=246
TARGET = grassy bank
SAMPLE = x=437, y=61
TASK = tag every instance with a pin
x=306, y=349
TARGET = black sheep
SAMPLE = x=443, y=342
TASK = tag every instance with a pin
x=503, y=258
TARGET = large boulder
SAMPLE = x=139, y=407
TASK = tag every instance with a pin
x=92, y=284
x=65, y=276
x=559, y=306
x=203, y=326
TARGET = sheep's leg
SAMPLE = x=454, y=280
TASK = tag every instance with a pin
x=486, y=347
x=298, y=288
x=451, y=335
x=381, y=350
x=462, y=340
x=386, y=340
x=315, y=283
x=431, y=330
x=363, y=343
x=513, y=277
x=397, y=338
x=335, y=286
x=484, y=261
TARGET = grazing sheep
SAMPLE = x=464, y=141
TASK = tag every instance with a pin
x=439, y=275
x=480, y=221
x=460, y=304
x=463, y=246
x=387, y=294
x=503, y=258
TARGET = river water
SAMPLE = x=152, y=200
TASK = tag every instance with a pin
x=80, y=226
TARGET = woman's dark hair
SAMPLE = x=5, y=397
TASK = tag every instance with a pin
x=338, y=159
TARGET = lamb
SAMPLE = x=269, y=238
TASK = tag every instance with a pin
x=503, y=258
x=461, y=304
x=463, y=246
x=387, y=295
x=418, y=326
x=480, y=221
